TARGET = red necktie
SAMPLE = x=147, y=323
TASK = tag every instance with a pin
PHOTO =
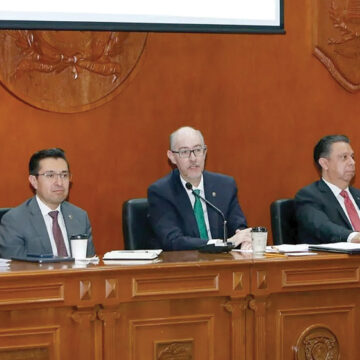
x=350, y=208
x=58, y=237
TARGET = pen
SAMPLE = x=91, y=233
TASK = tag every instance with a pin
x=275, y=255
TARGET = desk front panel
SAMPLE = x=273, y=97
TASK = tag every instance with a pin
x=188, y=306
x=182, y=308
x=306, y=308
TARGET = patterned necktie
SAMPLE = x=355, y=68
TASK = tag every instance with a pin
x=350, y=208
x=199, y=215
x=58, y=237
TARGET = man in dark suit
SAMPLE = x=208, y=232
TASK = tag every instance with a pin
x=45, y=223
x=328, y=210
x=172, y=206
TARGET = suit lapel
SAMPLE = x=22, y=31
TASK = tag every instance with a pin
x=71, y=223
x=333, y=202
x=38, y=223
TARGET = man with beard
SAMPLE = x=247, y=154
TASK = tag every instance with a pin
x=179, y=219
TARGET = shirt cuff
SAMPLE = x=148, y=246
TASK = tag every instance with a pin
x=216, y=242
x=351, y=235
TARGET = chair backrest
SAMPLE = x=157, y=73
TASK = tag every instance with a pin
x=137, y=230
x=283, y=221
x=3, y=211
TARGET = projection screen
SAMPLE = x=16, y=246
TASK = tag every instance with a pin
x=231, y=16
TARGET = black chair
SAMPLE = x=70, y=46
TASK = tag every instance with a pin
x=3, y=211
x=137, y=230
x=283, y=221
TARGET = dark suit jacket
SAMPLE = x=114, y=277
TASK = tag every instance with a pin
x=172, y=216
x=23, y=229
x=320, y=217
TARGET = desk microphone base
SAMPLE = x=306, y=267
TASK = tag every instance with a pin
x=212, y=249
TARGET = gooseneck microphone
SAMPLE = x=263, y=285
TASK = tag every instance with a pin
x=226, y=246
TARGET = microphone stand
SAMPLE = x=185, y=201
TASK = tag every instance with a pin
x=226, y=247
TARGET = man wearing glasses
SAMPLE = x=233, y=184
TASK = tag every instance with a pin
x=179, y=219
x=45, y=223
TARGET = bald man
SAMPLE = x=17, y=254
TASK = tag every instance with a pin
x=174, y=210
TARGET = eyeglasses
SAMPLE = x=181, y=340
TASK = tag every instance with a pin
x=52, y=175
x=186, y=153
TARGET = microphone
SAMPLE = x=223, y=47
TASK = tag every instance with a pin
x=212, y=248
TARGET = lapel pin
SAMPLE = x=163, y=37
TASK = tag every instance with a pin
x=70, y=216
x=214, y=194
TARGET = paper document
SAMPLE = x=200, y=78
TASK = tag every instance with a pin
x=4, y=262
x=341, y=247
x=132, y=254
x=285, y=248
x=89, y=260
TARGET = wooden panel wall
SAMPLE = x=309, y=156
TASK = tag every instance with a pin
x=262, y=101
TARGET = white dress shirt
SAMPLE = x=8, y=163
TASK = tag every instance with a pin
x=336, y=191
x=49, y=222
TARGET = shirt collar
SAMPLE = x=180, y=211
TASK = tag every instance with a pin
x=44, y=208
x=335, y=189
x=200, y=186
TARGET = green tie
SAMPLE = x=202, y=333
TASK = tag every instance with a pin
x=199, y=215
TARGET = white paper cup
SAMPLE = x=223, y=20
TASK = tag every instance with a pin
x=259, y=239
x=78, y=248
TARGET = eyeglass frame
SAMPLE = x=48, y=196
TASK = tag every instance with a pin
x=53, y=176
x=203, y=148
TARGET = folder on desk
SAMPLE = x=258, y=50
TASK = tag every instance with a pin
x=43, y=260
x=340, y=247
x=132, y=254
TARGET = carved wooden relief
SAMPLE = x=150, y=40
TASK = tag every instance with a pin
x=67, y=71
x=237, y=308
x=317, y=343
x=238, y=282
x=182, y=337
x=109, y=318
x=111, y=288
x=85, y=289
x=337, y=40
x=259, y=306
x=178, y=350
x=261, y=280
x=87, y=329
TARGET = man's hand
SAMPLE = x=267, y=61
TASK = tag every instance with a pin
x=242, y=237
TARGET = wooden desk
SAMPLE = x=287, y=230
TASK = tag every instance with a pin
x=188, y=306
